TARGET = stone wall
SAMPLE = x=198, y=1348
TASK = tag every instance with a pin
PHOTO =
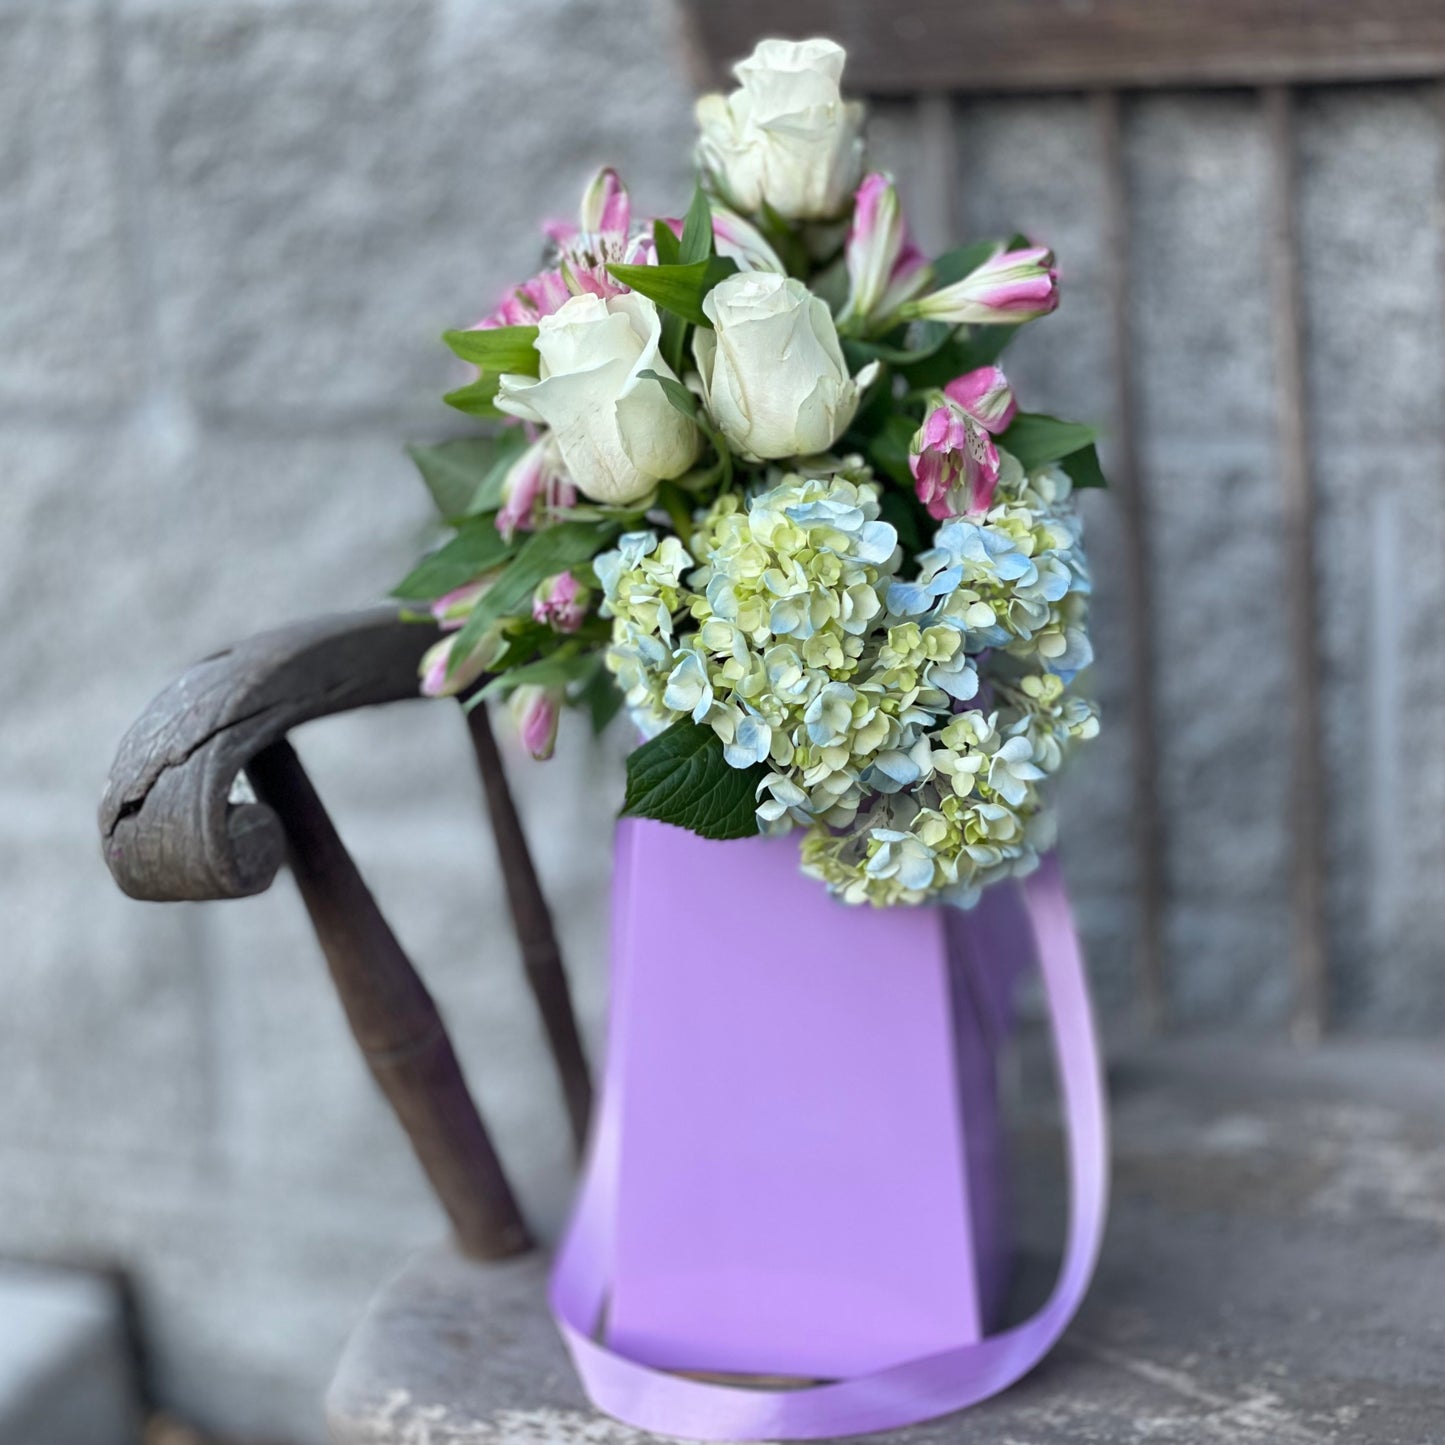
x=229, y=234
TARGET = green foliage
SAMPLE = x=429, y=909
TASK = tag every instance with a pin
x=542, y=555
x=476, y=549
x=498, y=348
x=669, y=249
x=465, y=476
x=888, y=449
x=697, y=237
x=963, y=352
x=675, y=391
x=682, y=777
x=602, y=698
x=678, y=289
x=479, y=398
x=1036, y=440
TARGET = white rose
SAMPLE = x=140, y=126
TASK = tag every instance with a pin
x=787, y=136
x=772, y=371
x=617, y=432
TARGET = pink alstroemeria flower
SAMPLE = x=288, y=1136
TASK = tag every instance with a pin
x=953, y=459
x=583, y=252
x=1009, y=288
x=535, y=490
x=561, y=602
x=536, y=712
x=885, y=268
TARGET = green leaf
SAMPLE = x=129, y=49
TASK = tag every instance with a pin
x=542, y=555
x=465, y=476
x=967, y=352
x=678, y=289
x=669, y=250
x=697, y=239
x=562, y=667
x=477, y=548
x=676, y=392
x=682, y=777
x=889, y=448
x=600, y=695
x=1083, y=468
x=905, y=516
x=498, y=348
x=1036, y=440
x=479, y=398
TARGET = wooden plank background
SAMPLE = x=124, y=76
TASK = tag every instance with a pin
x=1225, y=873
x=901, y=47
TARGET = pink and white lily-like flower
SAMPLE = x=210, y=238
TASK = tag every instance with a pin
x=535, y=490
x=536, y=711
x=885, y=268
x=584, y=251
x=561, y=602
x=954, y=461
x=1009, y=288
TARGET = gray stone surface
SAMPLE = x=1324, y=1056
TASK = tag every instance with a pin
x=66, y=1367
x=1272, y=1272
x=229, y=233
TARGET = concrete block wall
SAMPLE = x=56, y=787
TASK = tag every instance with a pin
x=229, y=235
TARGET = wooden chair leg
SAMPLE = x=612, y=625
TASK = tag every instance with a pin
x=393, y=1017
x=541, y=956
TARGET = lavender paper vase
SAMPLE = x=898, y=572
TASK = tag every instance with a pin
x=795, y=1172
x=810, y=1172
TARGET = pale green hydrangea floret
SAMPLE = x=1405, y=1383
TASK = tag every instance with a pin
x=906, y=725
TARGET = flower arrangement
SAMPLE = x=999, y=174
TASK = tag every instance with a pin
x=761, y=479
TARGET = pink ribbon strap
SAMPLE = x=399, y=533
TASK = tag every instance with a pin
x=920, y=1389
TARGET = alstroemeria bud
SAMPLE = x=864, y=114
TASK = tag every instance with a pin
x=1009, y=288
x=536, y=711
x=452, y=610
x=606, y=206
x=885, y=268
x=535, y=490
x=561, y=602
x=986, y=396
x=439, y=678
x=743, y=242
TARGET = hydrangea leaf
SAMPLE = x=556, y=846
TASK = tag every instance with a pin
x=681, y=777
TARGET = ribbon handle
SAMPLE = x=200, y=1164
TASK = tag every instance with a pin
x=920, y=1389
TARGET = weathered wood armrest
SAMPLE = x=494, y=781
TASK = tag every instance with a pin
x=169, y=827
x=173, y=828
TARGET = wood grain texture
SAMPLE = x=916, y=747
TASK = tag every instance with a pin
x=168, y=828
x=1148, y=821
x=908, y=46
x=1300, y=508
x=1238, y=1176
x=392, y=1016
x=537, y=938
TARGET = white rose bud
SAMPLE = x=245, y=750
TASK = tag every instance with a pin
x=772, y=370
x=787, y=137
x=617, y=432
